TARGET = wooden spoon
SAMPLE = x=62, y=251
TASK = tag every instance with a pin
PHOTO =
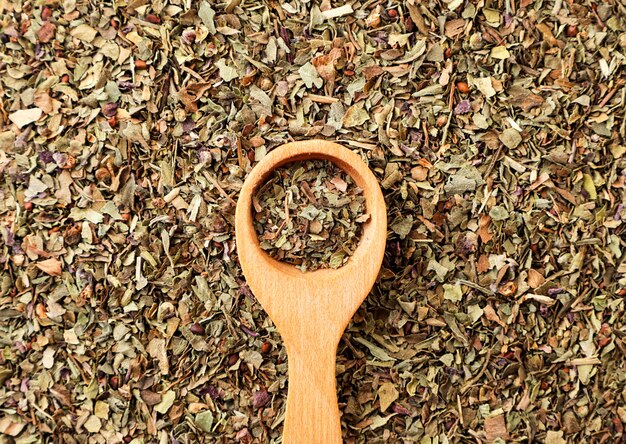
x=312, y=309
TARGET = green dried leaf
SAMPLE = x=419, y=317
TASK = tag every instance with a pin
x=402, y=227
x=206, y=14
x=453, y=292
x=84, y=32
x=166, y=402
x=511, y=138
x=204, y=421
x=227, y=73
x=310, y=76
x=375, y=350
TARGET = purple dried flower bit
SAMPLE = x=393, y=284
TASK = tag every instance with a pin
x=20, y=142
x=203, y=156
x=400, y=410
x=60, y=158
x=197, y=328
x=189, y=125
x=554, y=291
x=10, y=238
x=20, y=346
x=417, y=137
x=284, y=33
x=39, y=52
x=250, y=332
x=463, y=107
x=65, y=372
x=46, y=157
x=260, y=399
x=244, y=289
x=109, y=109
x=210, y=390
x=125, y=85
x=410, y=151
x=213, y=392
x=451, y=371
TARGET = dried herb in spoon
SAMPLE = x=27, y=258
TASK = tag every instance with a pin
x=310, y=214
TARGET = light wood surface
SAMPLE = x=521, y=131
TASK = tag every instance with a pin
x=312, y=309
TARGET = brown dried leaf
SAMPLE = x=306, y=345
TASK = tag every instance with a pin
x=548, y=36
x=483, y=231
x=43, y=101
x=372, y=71
x=508, y=289
x=190, y=94
x=11, y=425
x=535, y=279
x=454, y=28
x=491, y=315
x=326, y=65
x=524, y=99
x=50, y=266
x=156, y=349
x=150, y=398
x=491, y=139
x=387, y=394
x=46, y=32
x=62, y=394
x=495, y=427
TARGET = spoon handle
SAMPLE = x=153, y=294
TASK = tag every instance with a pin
x=312, y=415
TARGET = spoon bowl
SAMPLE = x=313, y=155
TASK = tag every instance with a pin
x=312, y=309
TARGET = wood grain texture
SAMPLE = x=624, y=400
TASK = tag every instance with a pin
x=312, y=309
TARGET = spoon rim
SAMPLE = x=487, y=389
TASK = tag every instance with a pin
x=374, y=230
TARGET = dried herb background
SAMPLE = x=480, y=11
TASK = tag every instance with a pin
x=496, y=129
x=310, y=214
